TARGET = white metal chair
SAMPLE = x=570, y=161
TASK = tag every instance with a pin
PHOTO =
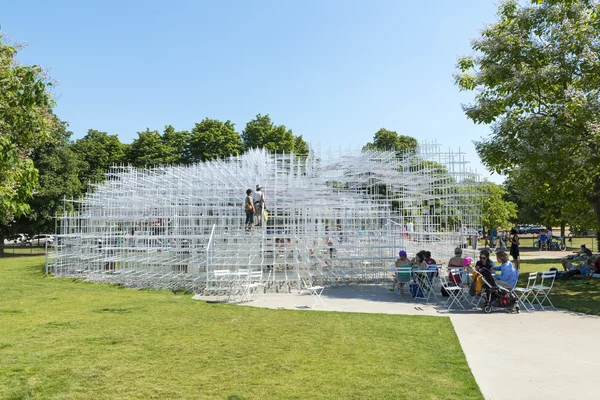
x=454, y=294
x=544, y=288
x=315, y=292
x=426, y=282
x=523, y=293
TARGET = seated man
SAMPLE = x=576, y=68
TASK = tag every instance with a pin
x=508, y=273
x=586, y=266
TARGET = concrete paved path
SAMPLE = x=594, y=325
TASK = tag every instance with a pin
x=537, y=355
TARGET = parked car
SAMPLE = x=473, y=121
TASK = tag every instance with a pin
x=40, y=240
x=535, y=229
x=17, y=239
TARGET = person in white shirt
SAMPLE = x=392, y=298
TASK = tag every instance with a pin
x=259, y=204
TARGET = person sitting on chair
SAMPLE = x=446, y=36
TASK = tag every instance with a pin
x=456, y=261
x=508, y=274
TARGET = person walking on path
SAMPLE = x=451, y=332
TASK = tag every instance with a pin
x=514, y=248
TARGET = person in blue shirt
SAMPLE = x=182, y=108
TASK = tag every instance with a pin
x=508, y=274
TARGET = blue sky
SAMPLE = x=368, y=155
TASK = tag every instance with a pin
x=332, y=71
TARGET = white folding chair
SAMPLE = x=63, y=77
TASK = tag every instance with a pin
x=425, y=280
x=315, y=292
x=454, y=294
x=544, y=288
x=523, y=293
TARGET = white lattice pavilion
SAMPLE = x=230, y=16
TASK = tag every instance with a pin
x=174, y=226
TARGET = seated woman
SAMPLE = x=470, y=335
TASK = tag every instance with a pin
x=402, y=278
x=485, y=266
x=456, y=261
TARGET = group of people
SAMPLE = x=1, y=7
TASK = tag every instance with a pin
x=486, y=267
x=254, y=204
x=588, y=266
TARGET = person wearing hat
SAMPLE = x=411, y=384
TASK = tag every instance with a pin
x=259, y=204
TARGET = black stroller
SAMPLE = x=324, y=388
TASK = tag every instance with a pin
x=494, y=296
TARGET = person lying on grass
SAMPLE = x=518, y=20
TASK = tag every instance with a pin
x=572, y=269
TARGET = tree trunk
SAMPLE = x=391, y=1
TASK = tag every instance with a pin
x=1, y=245
x=596, y=205
x=562, y=229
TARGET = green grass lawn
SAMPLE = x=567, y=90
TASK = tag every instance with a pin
x=581, y=294
x=67, y=339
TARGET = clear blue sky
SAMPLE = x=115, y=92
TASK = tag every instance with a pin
x=332, y=71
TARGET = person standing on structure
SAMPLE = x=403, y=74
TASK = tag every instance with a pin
x=259, y=204
x=409, y=229
x=249, y=209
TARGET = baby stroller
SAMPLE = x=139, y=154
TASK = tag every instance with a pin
x=494, y=296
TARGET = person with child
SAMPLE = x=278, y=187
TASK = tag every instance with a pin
x=508, y=274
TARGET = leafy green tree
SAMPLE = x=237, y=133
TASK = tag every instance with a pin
x=536, y=74
x=58, y=168
x=26, y=119
x=495, y=210
x=147, y=150
x=98, y=151
x=214, y=139
x=390, y=140
x=261, y=132
x=176, y=146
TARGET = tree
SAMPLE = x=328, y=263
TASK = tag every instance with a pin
x=58, y=168
x=176, y=146
x=390, y=140
x=26, y=119
x=147, y=150
x=261, y=132
x=98, y=151
x=495, y=211
x=536, y=73
x=212, y=138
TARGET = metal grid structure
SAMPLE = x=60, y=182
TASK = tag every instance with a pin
x=336, y=218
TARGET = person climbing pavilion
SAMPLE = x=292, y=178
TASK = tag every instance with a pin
x=259, y=204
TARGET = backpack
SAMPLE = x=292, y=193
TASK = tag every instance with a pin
x=248, y=204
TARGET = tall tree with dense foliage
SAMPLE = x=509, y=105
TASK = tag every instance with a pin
x=26, y=119
x=212, y=139
x=262, y=132
x=495, y=210
x=536, y=75
x=58, y=168
x=146, y=150
x=390, y=140
x=98, y=151
x=176, y=146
